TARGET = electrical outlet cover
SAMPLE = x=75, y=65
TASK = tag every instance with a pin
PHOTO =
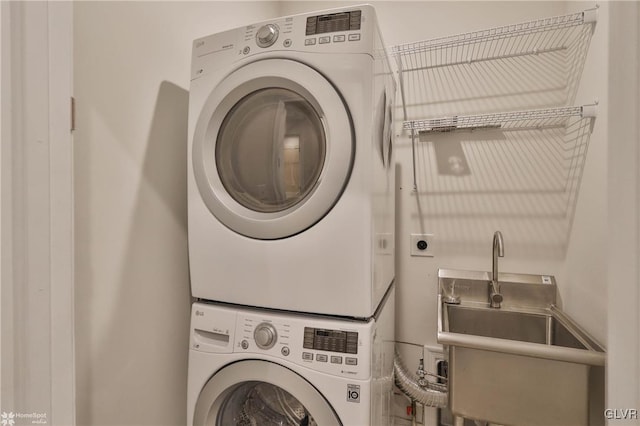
x=422, y=245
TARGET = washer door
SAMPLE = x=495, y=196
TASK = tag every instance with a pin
x=272, y=149
x=261, y=393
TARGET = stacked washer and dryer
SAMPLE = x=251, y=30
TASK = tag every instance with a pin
x=291, y=223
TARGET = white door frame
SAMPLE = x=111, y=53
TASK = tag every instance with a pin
x=36, y=214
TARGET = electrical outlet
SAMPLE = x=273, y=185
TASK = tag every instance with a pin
x=422, y=245
x=432, y=354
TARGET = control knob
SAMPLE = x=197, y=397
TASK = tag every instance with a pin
x=265, y=335
x=267, y=35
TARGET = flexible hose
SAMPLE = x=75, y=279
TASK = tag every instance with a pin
x=431, y=394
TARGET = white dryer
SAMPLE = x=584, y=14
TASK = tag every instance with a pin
x=291, y=171
x=250, y=366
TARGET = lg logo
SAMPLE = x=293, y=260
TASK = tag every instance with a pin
x=353, y=393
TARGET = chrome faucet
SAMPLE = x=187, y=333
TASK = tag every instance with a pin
x=495, y=298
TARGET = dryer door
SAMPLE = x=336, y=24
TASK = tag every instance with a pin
x=272, y=149
x=261, y=393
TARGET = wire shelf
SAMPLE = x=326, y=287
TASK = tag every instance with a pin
x=490, y=70
x=538, y=151
x=493, y=137
x=533, y=37
x=522, y=169
x=533, y=119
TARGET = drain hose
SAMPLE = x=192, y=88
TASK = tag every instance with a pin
x=431, y=394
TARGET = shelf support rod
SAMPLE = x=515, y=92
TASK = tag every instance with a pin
x=413, y=158
x=401, y=83
x=404, y=112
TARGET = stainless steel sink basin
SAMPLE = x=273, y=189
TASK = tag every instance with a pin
x=534, y=327
x=526, y=363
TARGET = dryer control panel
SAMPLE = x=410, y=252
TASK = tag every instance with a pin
x=333, y=346
x=334, y=22
x=347, y=30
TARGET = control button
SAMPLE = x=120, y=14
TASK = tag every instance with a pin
x=307, y=356
x=246, y=50
x=338, y=38
x=265, y=335
x=336, y=359
x=325, y=40
x=310, y=41
x=267, y=35
x=287, y=43
x=285, y=351
x=244, y=344
x=351, y=361
x=354, y=37
x=321, y=358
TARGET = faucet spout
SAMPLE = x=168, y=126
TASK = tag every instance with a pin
x=495, y=298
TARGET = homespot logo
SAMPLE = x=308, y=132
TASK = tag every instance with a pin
x=621, y=414
x=7, y=419
x=11, y=418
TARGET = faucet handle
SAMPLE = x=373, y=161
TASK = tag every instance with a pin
x=495, y=298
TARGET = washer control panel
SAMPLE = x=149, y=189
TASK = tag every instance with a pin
x=265, y=335
x=330, y=340
x=334, y=346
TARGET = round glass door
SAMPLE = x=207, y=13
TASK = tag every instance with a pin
x=270, y=150
x=253, y=392
x=260, y=403
x=273, y=148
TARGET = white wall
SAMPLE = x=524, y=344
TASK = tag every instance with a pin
x=624, y=209
x=132, y=67
x=583, y=285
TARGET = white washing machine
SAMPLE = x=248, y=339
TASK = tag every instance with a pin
x=263, y=367
x=291, y=171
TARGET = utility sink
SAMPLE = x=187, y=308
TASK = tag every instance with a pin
x=543, y=327
x=525, y=363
